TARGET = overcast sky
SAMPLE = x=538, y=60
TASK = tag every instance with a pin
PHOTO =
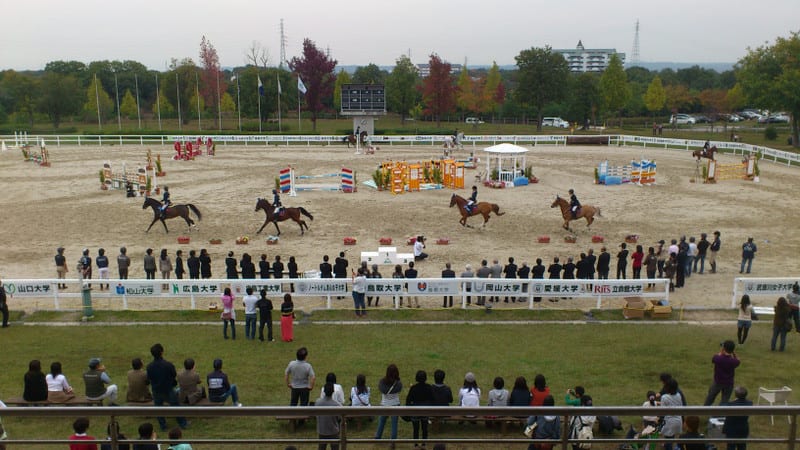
x=35, y=32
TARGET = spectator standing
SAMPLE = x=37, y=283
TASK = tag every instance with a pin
x=781, y=323
x=725, y=364
x=219, y=388
x=193, y=264
x=277, y=267
x=651, y=264
x=555, y=273
x=138, y=385
x=715, y=246
x=411, y=273
x=205, y=264
x=98, y=383
x=420, y=394
x=61, y=266
x=149, y=264
x=622, y=261
x=510, y=272
x=745, y=319
x=497, y=273
x=680, y=268
x=190, y=391
x=702, y=251
x=794, y=303
x=328, y=427
x=325, y=268
x=164, y=264
x=86, y=265
x=179, y=270
x=669, y=270
x=374, y=274
x=691, y=257
x=162, y=376
x=340, y=266
x=737, y=427
x=390, y=387
x=231, y=272
x=247, y=267
x=603, y=264
x=265, y=308
x=442, y=394
x=4, y=304
x=448, y=272
x=81, y=426
x=467, y=273
x=661, y=256
x=483, y=272
x=287, y=318
x=250, y=313
x=748, y=253
x=228, y=313
x=637, y=257
x=537, y=273
x=569, y=269
x=359, y=292
x=123, y=263
x=591, y=260
x=102, y=266
x=263, y=267
x=299, y=376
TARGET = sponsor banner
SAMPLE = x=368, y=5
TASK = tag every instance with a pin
x=28, y=289
x=448, y=286
x=768, y=287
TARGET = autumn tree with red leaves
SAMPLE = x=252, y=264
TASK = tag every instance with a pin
x=316, y=71
x=212, y=80
x=437, y=89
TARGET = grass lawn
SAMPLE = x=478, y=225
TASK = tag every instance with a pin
x=617, y=362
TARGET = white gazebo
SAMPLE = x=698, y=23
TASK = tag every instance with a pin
x=509, y=159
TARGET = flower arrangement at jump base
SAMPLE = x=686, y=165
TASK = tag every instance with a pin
x=570, y=239
x=215, y=241
x=183, y=239
x=349, y=241
x=272, y=240
x=443, y=241
x=242, y=240
x=385, y=241
x=543, y=239
x=632, y=238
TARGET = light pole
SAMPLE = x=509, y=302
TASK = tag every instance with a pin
x=138, y=108
x=158, y=104
x=178, y=89
x=116, y=89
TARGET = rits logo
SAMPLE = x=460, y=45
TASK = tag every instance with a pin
x=602, y=289
x=422, y=286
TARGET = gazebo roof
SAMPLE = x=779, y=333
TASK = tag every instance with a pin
x=505, y=148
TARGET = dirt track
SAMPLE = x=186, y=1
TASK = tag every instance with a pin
x=44, y=208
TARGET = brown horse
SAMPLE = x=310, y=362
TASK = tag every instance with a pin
x=285, y=214
x=710, y=153
x=585, y=211
x=172, y=212
x=482, y=208
x=350, y=139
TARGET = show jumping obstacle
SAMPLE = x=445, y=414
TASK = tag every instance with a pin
x=637, y=172
x=287, y=180
x=119, y=180
x=410, y=177
x=718, y=172
x=188, y=150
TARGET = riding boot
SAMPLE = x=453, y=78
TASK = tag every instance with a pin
x=713, y=267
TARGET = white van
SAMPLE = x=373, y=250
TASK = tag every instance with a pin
x=557, y=122
x=473, y=120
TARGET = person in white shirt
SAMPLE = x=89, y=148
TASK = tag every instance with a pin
x=338, y=392
x=250, y=314
x=419, y=245
x=470, y=394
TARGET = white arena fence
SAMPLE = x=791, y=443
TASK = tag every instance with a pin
x=769, y=154
x=583, y=293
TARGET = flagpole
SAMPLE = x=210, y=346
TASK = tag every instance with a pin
x=158, y=104
x=116, y=88
x=219, y=105
x=258, y=94
x=97, y=99
x=178, y=90
x=277, y=76
x=239, y=104
x=138, y=108
x=197, y=92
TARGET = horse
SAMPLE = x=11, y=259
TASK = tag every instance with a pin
x=350, y=139
x=585, y=211
x=482, y=208
x=285, y=214
x=172, y=211
x=710, y=153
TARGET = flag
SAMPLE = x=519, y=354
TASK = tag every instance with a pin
x=300, y=86
x=233, y=78
x=260, y=86
x=279, y=84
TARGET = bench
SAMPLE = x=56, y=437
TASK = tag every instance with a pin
x=293, y=421
x=202, y=402
x=76, y=401
x=490, y=421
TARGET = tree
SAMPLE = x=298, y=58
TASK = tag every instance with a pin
x=227, y=104
x=493, y=93
x=178, y=86
x=614, y=88
x=213, y=81
x=678, y=98
x=21, y=92
x=128, y=107
x=257, y=55
x=369, y=74
x=342, y=78
x=770, y=77
x=400, y=93
x=94, y=93
x=541, y=79
x=60, y=97
x=467, y=98
x=316, y=71
x=437, y=89
x=736, y=98
x=584, y=99
x=163, y=106
x=655, y=98
x=193, y=105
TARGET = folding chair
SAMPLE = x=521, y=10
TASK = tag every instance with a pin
x=773, y=396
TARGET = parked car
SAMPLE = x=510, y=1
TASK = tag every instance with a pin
x=557, y=122
x=682, y=119
x=734, y=118
x=778, y=118
x=473, y=120
x=750, y=114
x=702, y=119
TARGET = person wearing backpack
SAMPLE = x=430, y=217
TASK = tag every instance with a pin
x=546, y=427
x=580, y=427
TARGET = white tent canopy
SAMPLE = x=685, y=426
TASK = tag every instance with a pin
x=512, y=155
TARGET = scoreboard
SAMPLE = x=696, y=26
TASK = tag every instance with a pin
x=363, y=98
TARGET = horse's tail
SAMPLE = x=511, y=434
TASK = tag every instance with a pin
x=305, y=213
x=195, y=211
x=496, y=209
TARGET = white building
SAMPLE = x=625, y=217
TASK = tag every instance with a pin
x=581, y=59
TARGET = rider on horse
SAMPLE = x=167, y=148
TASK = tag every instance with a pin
x=165, y=202
x=574, y=204
x=276, y=203
x=473, y=199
